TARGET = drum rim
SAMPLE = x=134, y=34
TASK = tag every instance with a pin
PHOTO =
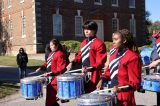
x=31, y=80
x=151, y=80
x=70, y=77
x=88, y=101
x=28, y=80
x=149, y=77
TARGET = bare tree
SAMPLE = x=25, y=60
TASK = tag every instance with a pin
x=5, y=43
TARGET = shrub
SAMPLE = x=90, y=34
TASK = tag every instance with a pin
x=73, y=46
x=108, y=45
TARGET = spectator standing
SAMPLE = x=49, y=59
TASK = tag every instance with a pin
x=22, y=60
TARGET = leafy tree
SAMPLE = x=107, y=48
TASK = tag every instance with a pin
x=148, y=23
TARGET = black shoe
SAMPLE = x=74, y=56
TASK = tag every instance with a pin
x=141, y=90
x=64, y=101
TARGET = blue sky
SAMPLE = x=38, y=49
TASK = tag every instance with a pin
x=153, y=6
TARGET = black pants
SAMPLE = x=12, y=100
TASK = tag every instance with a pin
x=158, y=98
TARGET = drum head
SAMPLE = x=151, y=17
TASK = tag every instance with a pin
x=153, y=76
x=80, y=75
x=29, y=80
x=41, y=79
x=67, y=77
x=77, y=74
x=93, y=99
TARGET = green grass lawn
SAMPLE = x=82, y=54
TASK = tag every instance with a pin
x=11, y=61
x=6, y=88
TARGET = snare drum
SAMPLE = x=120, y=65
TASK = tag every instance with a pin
x=94, y=100
x=108, y=94
x=69, y=86
x=82, y=76
x=40, y=82
x=31, y=87
x=152, y=82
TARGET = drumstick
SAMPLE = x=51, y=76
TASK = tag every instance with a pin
x=77, y=70
x=109, y=89
x=32, y=73
x=145, y=67
x=42, y=75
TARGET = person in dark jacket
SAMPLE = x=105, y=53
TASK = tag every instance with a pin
x=22, y=60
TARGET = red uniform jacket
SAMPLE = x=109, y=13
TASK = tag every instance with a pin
x=58, y=66
x=97, y=58
x=157, y=39
x=129, y=73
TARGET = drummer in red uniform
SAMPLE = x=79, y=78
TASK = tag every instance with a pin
x=92, y=54
x=56, y=63
x=156, y=62
x=124, y=68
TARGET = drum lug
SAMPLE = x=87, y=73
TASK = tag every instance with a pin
x=150, y=83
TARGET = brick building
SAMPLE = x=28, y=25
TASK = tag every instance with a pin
x=33, y=23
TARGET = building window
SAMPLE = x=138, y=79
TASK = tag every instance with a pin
x=98, y=2
x=78, y=25
x=9, y=3
x=131, y=3
x=23, y=26
x=78, y=1
x=115, y=24
x=21, y=1
x=10, y=28
x=133, y=26
x=115, y=3
x=57, y=25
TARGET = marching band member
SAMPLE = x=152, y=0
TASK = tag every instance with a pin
x=56, y=63
x=156, y=62
x=92, y=54
x=124, y=68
